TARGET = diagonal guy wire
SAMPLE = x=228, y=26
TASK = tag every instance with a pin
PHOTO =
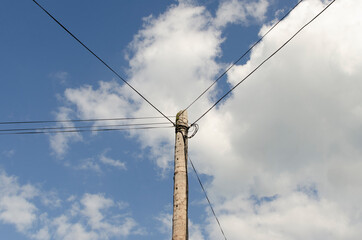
x=101, y=60
x=207, y=198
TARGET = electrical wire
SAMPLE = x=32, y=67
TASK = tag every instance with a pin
x=244, y=54
x=81, y=127
x=207, y=198
x=83, y=120
x=102, y=61
x=195, y=130
x=82, y=130
x=262, y=63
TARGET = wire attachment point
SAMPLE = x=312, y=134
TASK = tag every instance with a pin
x=195, y=130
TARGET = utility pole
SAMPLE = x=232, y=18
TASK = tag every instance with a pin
x=180, y=188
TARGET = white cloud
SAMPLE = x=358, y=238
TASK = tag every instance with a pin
x=59, y=141
x=17, y=210
x=67, y=230
x=89, y=164
x=93, y=205
x=112, y=162
x=94, y=209
x=42, y=234
x=176, y=49
x=296, y=122
x=51, y=199
x=15, y=205
x=195, y=232
x=92, y=217
x=87, y=100
x=95, y=164
x=293, y=121
x=165, y=225
x=163, y=38
x=239, y=12
x=295, y=216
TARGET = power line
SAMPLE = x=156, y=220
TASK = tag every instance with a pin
x=82, y=120
x=103, y=62
x=244, y=54
x=255, y=69
x=82, y=130
x=207, y=198
x=81, y=127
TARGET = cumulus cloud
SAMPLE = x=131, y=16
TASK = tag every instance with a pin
x=293, y=216
x=239, y=12
x=293, y=120
x=100, y=224
x=295, y=123
x=93, y=216
x=15, y=202
x=87, y=100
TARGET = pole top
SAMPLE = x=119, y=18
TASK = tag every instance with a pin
x=182, y=118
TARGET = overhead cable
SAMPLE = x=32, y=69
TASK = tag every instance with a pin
x=82, y=120
x=195, y=130
x=207, y=198
x=81, y=130
x=103, y=62
x=255, y=69
x=244, y=54
x=81, y=127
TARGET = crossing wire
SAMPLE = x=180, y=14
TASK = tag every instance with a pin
x=207, y=198
x=102, y=61
x=262, y=63
x=244, y=54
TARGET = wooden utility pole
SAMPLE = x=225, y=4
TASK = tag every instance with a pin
x=180, y=188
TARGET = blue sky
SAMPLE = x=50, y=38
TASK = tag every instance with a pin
x=280, y=158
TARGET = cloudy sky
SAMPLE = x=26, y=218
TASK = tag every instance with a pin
x=280, y=158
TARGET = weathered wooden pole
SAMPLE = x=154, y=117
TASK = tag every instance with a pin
x=180, y=188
